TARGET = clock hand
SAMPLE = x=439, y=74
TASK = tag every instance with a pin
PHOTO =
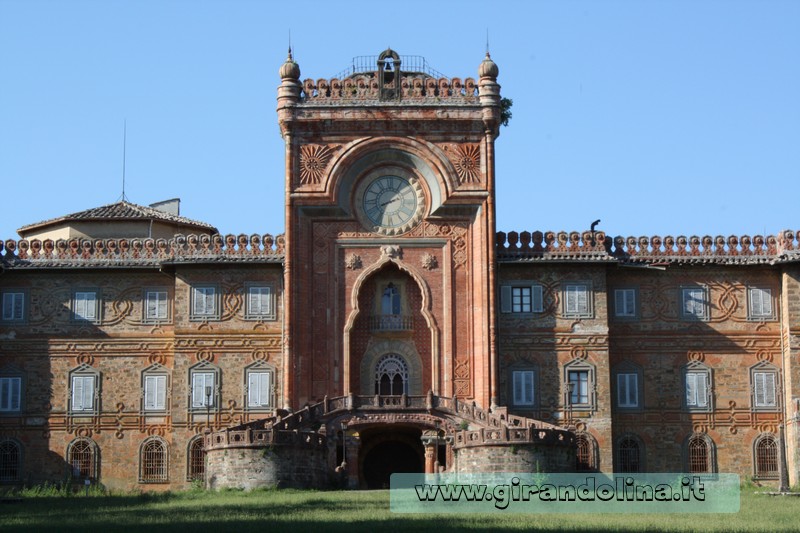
x=384, y=204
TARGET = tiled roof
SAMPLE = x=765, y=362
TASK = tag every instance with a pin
x=123, y=210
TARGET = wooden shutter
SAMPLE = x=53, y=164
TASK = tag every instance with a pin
x=537, y=299
x=91, y=305
x=505, y=298
x=622, y=390
x=702, y=389
x=765, y=389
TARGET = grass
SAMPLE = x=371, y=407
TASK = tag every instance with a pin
x=298, y=511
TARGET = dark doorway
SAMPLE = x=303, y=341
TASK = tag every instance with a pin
x=387, y=458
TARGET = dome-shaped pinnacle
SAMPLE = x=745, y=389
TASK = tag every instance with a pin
x=488, y=68
x=290, y=69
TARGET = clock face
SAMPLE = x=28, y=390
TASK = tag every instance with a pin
x=390, y=204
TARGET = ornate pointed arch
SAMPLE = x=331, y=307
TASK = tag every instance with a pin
x=386, y=258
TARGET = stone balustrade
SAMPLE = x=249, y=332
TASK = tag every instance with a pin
x=363, y=87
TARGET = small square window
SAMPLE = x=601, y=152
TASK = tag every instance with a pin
x=156, y=305
x=10, y=394
x=259, y=389
x=83, y=393
x=764, y=389
x=523, y=388
x=759, y=303
x=521, y=298
x=577, y=300
x=13, y=306
x=694, y=303
x=204, y=303
x=628, y=390
x=203, y=389
x=625, y=303
x=579, y=387
x=86, y=306
x=697, y=393
x=259, y=305
x=155, y=392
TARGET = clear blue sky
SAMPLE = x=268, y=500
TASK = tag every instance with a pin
x=658, y=117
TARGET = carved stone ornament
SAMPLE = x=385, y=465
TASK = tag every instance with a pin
x=429, y=261
x=353, y=261
x=313, y=161
x=467, y=162
x=392, y=252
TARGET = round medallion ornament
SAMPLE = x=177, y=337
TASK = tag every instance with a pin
x=389, y=203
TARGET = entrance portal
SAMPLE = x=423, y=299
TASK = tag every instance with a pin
x=389, y=452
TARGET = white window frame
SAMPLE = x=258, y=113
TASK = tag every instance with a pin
x=259, y=396
x=692, y=307
x=154, y=391
x=259, y=301
x=697, y=387
x=590, y=393
x=10, y=394
x=511, y=298
x=523, y=387
x=205, y=302
x=628, y=390
x=14, y=306
x=83, y=392
x=159, y=300
x=200, y=376
x=626, y=303
x=762, y=377
x=573, y=293
x=86, y=306
x=759, y=304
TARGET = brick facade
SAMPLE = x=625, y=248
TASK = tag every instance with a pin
x=431, y=343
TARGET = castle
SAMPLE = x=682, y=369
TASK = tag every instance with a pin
x=391, y=328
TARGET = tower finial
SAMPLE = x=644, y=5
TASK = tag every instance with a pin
x=124, y=146
x=487, y=42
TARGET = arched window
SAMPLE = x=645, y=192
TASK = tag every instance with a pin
x=82, y=459
x=391, y=376
x=629, y=455
x=585, y=453
x=10, y=460
x=766, y=457
x=700, y=454
x=153, y=462
x=197, y=460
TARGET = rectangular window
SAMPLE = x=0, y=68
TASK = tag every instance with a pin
x=694, y=303
x=156, y=306
x=155, y=393
x=576, y=300
x=625, y=303
x=523, y=387
x=10, y=394
x=83, y=393
x=579, y=387
x=202, y=384
x=13, y=306
x=85, y=306
x=521, y=298
x=628, y=390
x=204, y=302
x=259, y=302
x=697, y=389
x=259, y=385
x=760, y=303
x=764, y=384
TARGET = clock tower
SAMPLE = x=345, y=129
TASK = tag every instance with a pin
x=390, y=217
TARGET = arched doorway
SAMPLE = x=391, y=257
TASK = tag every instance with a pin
x=386, y=451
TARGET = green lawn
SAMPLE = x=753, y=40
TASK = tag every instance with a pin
x=320, y=512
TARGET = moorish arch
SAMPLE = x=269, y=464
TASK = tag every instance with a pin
x=399, y=346
x=388, y=357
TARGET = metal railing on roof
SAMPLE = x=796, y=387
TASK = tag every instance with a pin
x=408, y=64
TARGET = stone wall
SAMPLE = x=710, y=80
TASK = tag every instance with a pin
x=267, y=467
x=528, y=458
